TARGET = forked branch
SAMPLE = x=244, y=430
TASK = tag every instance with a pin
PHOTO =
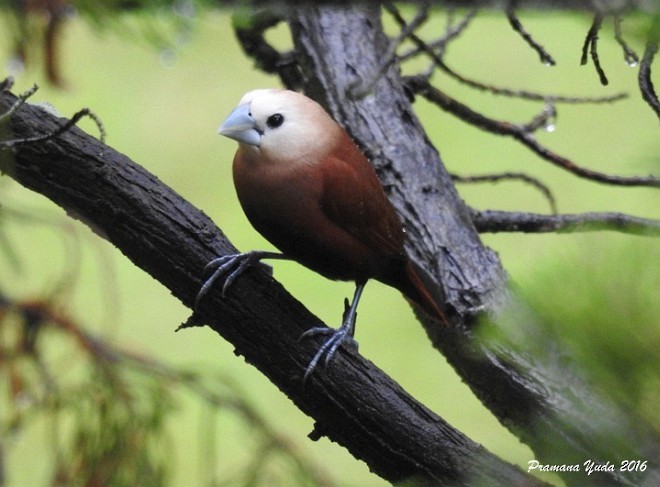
x=421, y=86
x=645, y=83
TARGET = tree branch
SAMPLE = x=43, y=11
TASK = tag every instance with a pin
x=644, y=78
x=591, y=47
x=504, y=221
x=250, y=32
x=435, y=51
x=510, y=176
x=421, y=86
x=517, y=26
x=352, y=401
x=550, y=408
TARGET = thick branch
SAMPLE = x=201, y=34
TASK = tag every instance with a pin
x=539, y=395
x=251, y=35
x=645, y=82
x=352, y=401
x=504, y=221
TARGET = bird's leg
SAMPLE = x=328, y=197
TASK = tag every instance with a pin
x=337, y=337
x=231, y=266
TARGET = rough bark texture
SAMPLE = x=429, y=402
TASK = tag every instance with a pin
x=536, y=394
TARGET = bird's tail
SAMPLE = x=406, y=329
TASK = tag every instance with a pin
x=414, y=288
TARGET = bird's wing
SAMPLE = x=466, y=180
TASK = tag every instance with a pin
x=353, y=199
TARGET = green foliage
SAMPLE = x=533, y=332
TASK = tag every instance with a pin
x=117, y=432
x=604, y=305
x=109, y=411
x=601, y=304
x=34, y=31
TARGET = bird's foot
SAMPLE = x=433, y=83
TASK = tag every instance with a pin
x=231, y=267
x=344, y=334
x=336, y=338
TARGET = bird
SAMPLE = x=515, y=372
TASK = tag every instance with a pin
x=307, y=188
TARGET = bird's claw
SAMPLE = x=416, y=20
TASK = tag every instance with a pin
x=337, y=337
x=322, y=330
x=342, y=335
x=231, y=266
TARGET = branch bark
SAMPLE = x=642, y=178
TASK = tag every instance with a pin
x=352, y=401
x=506, y=221
x=533, y=393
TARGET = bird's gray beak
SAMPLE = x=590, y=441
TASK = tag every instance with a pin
x=241, y=126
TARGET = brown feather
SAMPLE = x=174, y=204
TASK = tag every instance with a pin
x=354, y=199
x=323, y=205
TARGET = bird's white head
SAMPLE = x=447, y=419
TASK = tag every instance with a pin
x=282, y=125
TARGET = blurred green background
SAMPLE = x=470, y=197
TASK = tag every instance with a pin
x=161, y=105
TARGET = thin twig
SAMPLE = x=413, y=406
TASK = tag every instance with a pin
x=85, y=112
x=529, y=95
x=421, y=46
x=517, y=26
x=438, y=46
x=6, y=84
x=251, y=35
x=629, y=55
x=591, y=46
x=544, y=120
x=508, y=176
x=491, y=221
x=421, y=86
x=430, y=50
x=364, y=87
x=21, y=99
x=644, y=76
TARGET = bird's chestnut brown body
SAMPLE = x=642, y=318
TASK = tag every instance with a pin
x=330, y=216
x=319, y=200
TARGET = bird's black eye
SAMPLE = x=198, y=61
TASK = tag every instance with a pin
x=275, y=120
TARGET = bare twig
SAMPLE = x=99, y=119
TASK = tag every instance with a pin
x=508, y=176
x=422, y=87
x=6, y=85
x=22, y=98
x=545, y=120
x=434, y=51
x=251, y=35
x=591, y=46
x=438, y=46
x=644, y=76
x=85, y=112
x=629, y=55
x=529, y=95
x=517, y=26
x=502, y=221
x=362, y=87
